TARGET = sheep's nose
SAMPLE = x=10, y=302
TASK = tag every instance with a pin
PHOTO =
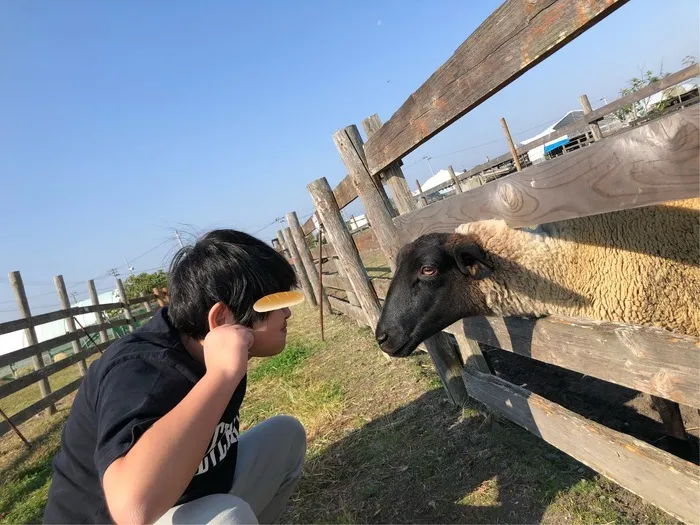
x=382, y=337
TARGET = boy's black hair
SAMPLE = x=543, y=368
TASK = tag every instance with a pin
x=224, y=265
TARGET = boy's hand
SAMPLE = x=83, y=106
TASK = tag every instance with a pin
x=226, y=350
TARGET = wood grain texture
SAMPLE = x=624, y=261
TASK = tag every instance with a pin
x=511, y=146
x=393, y=175
x=514, y=38
x=348, y=256
x=32, y=410
x=445, y=357
x=125, y=304
x=303, y=278
x=17, y=285
x=328, y=252
x=45, y=346
x=455, y=180
x=469, y=349
x=335, y=281
x=353, y=312
x=92, y=292
x=646, y=359
x=142, y=299
x=350, y=147
x=652, y=164
x=24, y=381
x=586, y=106
x=658, y=477
x=297, y=238
x=60, y=285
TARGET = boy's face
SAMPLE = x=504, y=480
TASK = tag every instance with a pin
x=270, y=335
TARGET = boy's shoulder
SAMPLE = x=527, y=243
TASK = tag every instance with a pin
x=155, y=345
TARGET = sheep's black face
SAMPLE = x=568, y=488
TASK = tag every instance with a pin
x=432, y=288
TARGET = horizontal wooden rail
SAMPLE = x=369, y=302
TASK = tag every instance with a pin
x=328, y=251
x=28, y=380
x=143, y=299
x=24, y=353
x=513, y=39
x=144, y=315
x=335, y=281
x=651, y=164
x=35, y=320
x=381, y=286
x=660, y=478
x=650, y=360
x=353, y=312
x=32, y=410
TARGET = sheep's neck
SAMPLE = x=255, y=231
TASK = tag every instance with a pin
x=530, y=276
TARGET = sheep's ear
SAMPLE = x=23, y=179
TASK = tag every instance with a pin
x=471, y=260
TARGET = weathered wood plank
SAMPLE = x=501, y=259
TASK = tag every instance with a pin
x=32, y=410
x=646, y=359
x=586, y=107
x=25, y=381
x=381, y=286
x=70, y=321
x=469, y=349
x=92, y=292
x=393, y=175
x=17, y=285
x=348, y=256
x=297, y=237
x=335, y=281
x=514, y=38
x=353, y=312
x=35, y=320
x=350, y=148
x=658, y=477
x=446, y=361
x=142, y=299
x=328, y=251
x=125, y=304
x=303, y=278
x=652, y=164
x=44, y=346
x=511, y=146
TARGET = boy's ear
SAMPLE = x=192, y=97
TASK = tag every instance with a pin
x=219, y=315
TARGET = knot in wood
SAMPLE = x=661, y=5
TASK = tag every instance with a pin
x=509, y=197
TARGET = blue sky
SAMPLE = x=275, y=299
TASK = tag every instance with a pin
x=120, y=121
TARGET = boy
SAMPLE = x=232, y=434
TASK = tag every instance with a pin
x=152, y=435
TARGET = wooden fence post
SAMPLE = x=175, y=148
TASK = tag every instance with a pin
x=305, y=255
x=101, y=316
x=348, y=256
x=420, y=193
x=125, y=302
x=513, y=151
x=350, y=147
x=159, y=299
x=393, y=174
x=302, y=277
x=15, y=279
x=594, y=127
x=455, y=180
x=70, y=322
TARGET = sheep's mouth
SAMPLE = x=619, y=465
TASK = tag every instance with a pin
x=403, y=350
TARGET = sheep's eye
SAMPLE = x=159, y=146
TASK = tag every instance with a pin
x=428, y=270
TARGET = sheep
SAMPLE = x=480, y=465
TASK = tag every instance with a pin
x=637, y=266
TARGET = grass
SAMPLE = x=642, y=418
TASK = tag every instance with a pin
x=385, y=446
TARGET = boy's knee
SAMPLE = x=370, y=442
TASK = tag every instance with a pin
x=213, y=509
x=294, y=433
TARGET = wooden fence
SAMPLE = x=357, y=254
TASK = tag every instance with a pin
x=645, y=162
x=81, y=338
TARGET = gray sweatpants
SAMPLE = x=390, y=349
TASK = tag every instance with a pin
x=270, y=457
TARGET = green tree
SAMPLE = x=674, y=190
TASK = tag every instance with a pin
x=635, y=84
x=144, y=283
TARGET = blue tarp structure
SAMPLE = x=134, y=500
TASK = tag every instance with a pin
x=555, y=145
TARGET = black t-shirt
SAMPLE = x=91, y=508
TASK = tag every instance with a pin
x=137, y=380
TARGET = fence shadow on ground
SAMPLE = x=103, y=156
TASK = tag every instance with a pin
x=428, y=462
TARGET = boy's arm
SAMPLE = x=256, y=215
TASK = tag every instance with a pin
x=142, y=485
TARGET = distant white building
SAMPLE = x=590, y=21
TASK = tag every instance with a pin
x=538, y=153
x=441, y=177
x=18, y=340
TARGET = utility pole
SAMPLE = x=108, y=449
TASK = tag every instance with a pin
x=114, y=272
x=177, y=236
x=431, y=166
x=73, y=294
x=130, y=268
